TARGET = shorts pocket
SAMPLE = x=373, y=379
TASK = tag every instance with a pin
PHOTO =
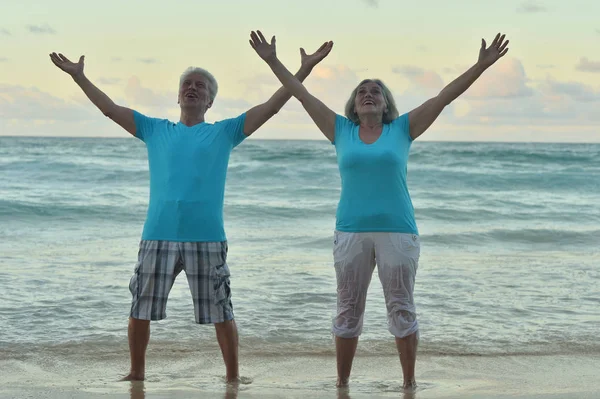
x=221, y=285
x=408, y=244
x=341, y=245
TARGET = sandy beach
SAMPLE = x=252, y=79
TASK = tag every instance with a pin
x=199, y=375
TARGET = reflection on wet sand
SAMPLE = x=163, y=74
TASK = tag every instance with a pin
x=137, y=390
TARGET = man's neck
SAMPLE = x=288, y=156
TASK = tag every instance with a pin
x=191, y=119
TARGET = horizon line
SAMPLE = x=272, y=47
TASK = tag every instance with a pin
x=323, y=139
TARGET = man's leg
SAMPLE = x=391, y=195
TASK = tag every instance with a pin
x=138, y=333
x=158, y=265
x=227, y=337
x=205, y=264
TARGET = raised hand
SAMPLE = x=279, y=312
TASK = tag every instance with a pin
x=66, y=65
x=265, y=50
x=488, y=56
x=316, y=57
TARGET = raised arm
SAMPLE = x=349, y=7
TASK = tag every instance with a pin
x=423, y=116
x=258, y=115
x=323, y=117
x=121, y=115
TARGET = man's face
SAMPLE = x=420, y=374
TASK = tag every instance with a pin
x=194, y=92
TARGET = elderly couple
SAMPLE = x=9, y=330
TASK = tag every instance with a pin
x=375, y=222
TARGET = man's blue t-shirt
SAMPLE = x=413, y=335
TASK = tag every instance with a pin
x=188, y=167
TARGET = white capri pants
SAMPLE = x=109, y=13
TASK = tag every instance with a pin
x=397, y=258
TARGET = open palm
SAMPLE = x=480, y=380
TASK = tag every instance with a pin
x=316, y=57
x=263, y=48
x=66, y=65
x=487, y=56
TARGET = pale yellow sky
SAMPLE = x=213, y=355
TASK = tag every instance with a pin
x=546, y=89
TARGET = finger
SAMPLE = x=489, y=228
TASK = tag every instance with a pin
x=302, y=52
x=501, y=40
x=273, y=41
x=262, y=38
x=62, y=57
x=255, y=38
x=504, y=52
x=54, y=60
x=496, y=40
x=330, y=47
x=501, y=48
x=483, y=44
x=57, y=61
x=322, y=46
x=81, y=59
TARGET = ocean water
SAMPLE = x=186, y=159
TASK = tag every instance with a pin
x=510, y=257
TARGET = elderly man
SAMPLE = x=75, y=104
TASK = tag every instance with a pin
x=184, y=225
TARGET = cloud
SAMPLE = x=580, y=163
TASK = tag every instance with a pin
x=333, y=84
x=421, y=77
x=531, y=7
x=456, y=70
x=30, y=103
x=225, y=107
x=585, y=65
x=551, y=105
x=546, y=66
x=31, y=111
x=148, y=60
x=4, y=59
x=505, y=79
x=4, y=32
x=143, y=96
x=109, y=81
x=41, y=29
x=372, y=3
x=576, y=91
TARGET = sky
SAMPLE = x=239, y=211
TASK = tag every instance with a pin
x=547, y=88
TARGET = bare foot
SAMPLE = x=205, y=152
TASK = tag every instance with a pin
x=342, y=383
x=410, y=386
x=133, y=377
x=233, y=380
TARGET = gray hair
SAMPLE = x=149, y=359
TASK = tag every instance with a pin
x=392, y=112
x=213, y=87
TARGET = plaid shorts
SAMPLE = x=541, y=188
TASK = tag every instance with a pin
x=159, y=262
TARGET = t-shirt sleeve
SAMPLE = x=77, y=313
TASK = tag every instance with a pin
x=403, y=124
x=343, y=125
x=234, y=128
x=144, y=126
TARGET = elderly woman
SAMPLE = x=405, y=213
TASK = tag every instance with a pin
x=375, y=217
